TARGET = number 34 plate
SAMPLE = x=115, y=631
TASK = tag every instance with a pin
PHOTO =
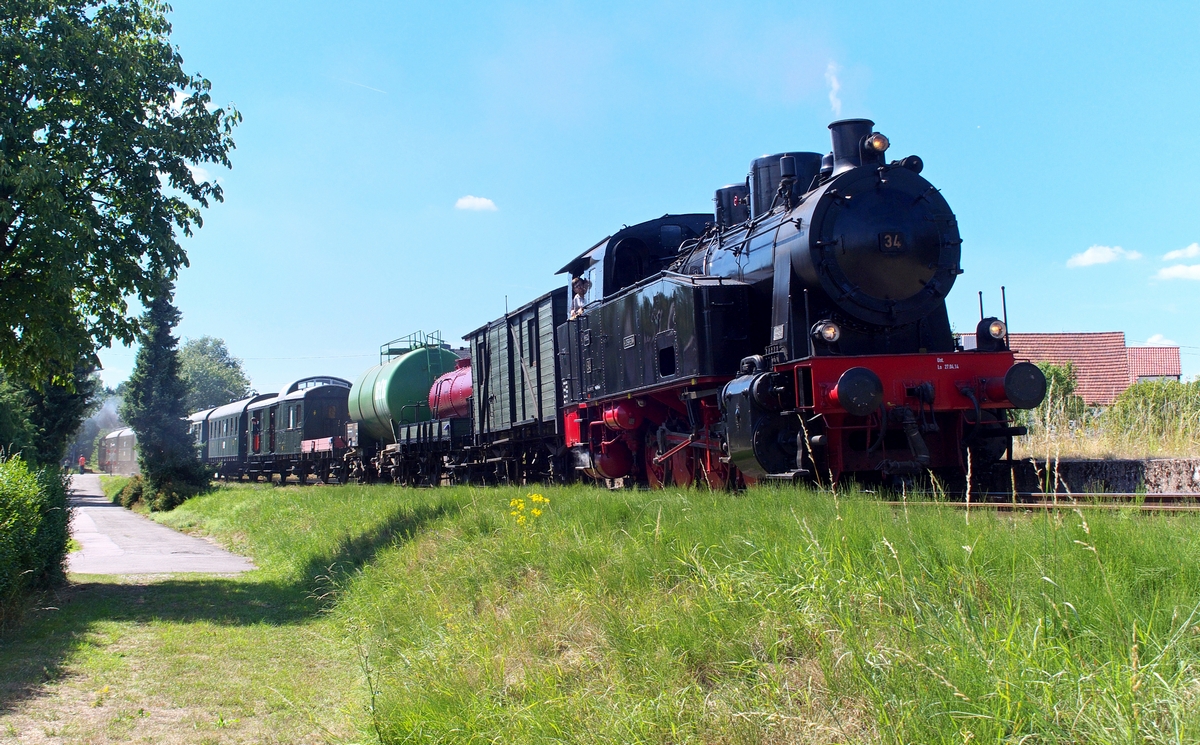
x=891, y=243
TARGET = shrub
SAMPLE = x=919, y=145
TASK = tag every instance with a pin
x=34, y=529
x=1160, y=409
x=1149, y=419
x=168, y=495
x=1062, y=410
x=172, y=493
x=132, y=492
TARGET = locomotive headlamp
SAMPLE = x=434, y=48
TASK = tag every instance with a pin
x=827, y=331
x=990, y=335
x=877, y=142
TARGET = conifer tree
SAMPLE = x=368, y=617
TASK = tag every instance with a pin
x=154, y=407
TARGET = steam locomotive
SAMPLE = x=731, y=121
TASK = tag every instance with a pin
x=798, y=332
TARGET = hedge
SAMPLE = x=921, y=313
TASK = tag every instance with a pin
x=34, y=529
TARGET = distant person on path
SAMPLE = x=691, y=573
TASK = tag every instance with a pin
x=82, y=463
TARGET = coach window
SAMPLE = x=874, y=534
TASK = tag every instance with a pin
x=291, y=417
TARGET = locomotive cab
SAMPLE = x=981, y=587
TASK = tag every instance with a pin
x=635, y=253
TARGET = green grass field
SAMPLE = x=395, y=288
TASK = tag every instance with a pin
x=769, y=616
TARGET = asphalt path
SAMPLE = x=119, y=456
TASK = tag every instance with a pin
x=115, y=540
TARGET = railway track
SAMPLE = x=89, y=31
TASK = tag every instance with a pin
x=1165, y=502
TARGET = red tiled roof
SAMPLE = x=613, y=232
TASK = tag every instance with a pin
x=1153, y=362
x=1104, y=366
x=1101, y=363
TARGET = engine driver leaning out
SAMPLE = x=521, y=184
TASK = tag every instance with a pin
x=580, y=287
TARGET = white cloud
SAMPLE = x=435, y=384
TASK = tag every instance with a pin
x=199, y=174
x=1179, y=271
x=835, y=85
x=1190, y=252
x=1158, y=340
x=1101, y=255
x=476, y=204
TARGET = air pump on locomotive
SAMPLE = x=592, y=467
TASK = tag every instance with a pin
x=800, y=332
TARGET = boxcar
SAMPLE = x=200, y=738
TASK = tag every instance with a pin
x=516, y=398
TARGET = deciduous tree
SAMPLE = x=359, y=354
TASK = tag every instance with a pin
x=212, y=375
x=58, y=408
x=100, y=133
x=39, y=422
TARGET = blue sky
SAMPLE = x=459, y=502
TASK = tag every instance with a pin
x=1055, y=130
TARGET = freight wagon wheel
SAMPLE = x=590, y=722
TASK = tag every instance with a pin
x=656, y=473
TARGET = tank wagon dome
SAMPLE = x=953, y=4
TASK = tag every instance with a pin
x=450, y=395
x=397, y=390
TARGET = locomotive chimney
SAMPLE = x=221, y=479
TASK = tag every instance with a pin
x=848, y=137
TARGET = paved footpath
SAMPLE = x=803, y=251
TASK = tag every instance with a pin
x=115, y=540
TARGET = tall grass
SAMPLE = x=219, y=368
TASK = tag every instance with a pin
x=1149, y=419
x=776, y=616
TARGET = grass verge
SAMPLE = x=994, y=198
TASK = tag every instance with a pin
x=780, y=616
x=112, y=486
x=392, y=615
x=201, y=658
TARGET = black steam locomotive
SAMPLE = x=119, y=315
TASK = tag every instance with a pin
x=800, y=332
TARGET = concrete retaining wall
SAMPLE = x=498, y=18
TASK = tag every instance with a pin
x=1154, y=476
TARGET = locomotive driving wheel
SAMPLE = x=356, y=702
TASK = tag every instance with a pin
x=682, y=468
x=711, y=471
